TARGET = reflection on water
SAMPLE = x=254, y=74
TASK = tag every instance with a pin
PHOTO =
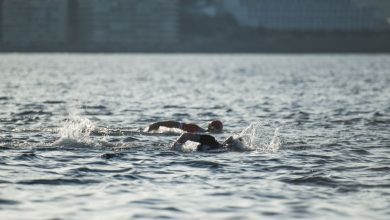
x=72, y=136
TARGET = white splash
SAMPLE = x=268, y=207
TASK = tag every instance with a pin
x=187, y=147
x=75, y=132
x=262, y=137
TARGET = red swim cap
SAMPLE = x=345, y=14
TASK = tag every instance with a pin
x=217, y=124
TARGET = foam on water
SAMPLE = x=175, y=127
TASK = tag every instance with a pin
x=262, y=136
x=75, y=132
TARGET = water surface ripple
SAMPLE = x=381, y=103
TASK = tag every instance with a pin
x=72, y=146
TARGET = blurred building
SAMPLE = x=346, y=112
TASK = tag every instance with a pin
x=107, y=24
x=130, y=23
x=381, y=7
x=304, y=15
x=191, y=25
x=33, y=22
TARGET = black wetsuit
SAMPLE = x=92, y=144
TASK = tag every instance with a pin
x=208, y=142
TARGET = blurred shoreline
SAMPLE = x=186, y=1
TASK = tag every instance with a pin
x=254, y=42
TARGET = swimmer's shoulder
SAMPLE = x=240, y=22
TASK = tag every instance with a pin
x=193, y=128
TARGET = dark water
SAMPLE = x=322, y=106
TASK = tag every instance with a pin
x=72, y=146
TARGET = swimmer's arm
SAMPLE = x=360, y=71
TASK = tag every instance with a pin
x=168, y=124
x=186, y=137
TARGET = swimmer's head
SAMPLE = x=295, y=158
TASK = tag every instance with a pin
x=215, y=126
x=234, y=143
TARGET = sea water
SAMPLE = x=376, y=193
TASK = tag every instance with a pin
x=316, y=130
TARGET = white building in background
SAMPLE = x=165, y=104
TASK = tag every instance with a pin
x=303, y=15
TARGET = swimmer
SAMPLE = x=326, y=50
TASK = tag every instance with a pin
x=208, y=142
x=214, y=126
